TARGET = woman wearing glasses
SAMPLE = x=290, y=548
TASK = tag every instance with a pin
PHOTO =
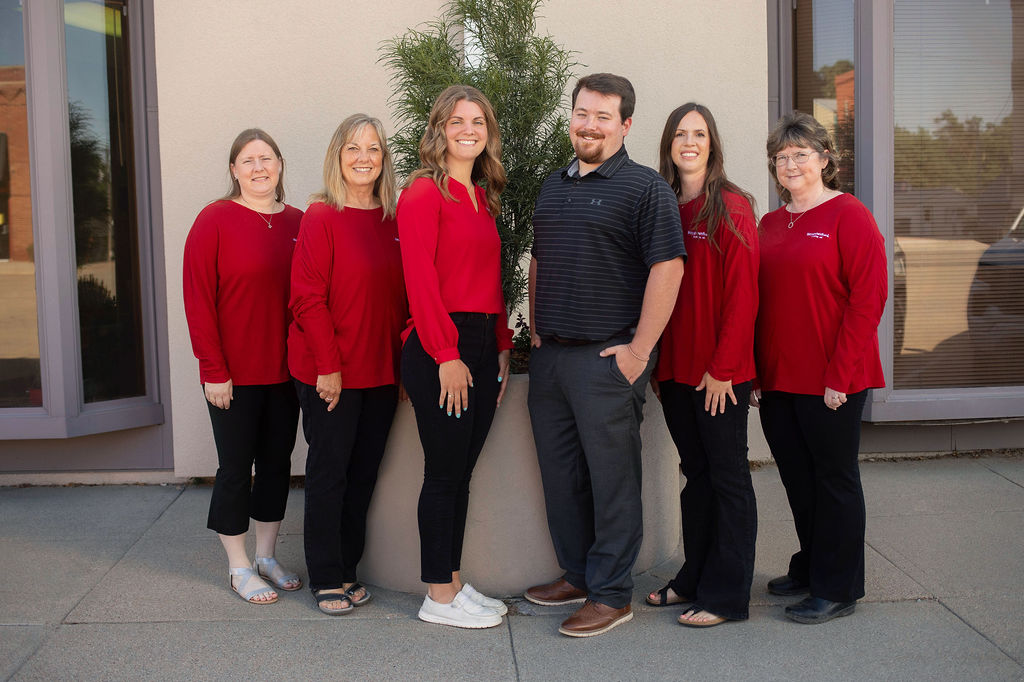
x=822, y=286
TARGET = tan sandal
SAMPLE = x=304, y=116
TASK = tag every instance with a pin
x=696, y=611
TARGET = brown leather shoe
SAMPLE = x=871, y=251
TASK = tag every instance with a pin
x=595, y=618
x=556, y=593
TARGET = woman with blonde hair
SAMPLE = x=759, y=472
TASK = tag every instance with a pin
x=455, y=361
x=237, y=259
x=349, y=308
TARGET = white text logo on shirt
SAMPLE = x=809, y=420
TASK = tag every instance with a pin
x=819, y=235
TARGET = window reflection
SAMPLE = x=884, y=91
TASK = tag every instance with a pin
x=823, y=83
x=959, y=194
x=103, y=191
x=20, y=384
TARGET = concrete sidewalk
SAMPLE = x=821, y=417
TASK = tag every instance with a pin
x=125, y=582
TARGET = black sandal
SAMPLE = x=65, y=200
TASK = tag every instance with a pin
x=663, y=598
x=320, y=596
x=350, y=594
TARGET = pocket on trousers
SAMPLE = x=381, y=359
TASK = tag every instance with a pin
x=613, y=367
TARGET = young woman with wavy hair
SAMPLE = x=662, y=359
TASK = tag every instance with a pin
x=455, y=361
x=705, y=373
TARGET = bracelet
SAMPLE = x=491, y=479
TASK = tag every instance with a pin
x=629, y=347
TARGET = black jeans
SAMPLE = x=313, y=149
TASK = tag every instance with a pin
x=258, y=428
x=719, y=510
x=451, y=446
x=345, y=449
x=586, y=423
x=816, y=449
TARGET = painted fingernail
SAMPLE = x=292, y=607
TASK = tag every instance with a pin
x=458, y=415
x=500, y=379
x=449, y=413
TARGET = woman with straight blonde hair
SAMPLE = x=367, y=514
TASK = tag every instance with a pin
x=455, y=361
x=349, y=308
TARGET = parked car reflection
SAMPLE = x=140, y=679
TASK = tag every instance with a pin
x=995, y=308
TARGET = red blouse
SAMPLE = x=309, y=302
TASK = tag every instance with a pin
x=235, y=286
x=712, y=327
x=823, y=286
x=348, y=298
x=451, y=254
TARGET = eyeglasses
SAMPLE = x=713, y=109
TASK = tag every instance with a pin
x=800, y=158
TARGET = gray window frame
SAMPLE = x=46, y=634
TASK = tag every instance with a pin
x=64, y=413
x=875, y=133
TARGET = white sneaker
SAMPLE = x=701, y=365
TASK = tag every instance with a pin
x=483, y=600
x=462, y=612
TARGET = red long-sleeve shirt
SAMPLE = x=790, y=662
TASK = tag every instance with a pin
x=235, y=286
x=712, y=326
x=348, y=297
x=451, y=254
x=823, y=286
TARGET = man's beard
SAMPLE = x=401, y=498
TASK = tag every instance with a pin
x=592, y=152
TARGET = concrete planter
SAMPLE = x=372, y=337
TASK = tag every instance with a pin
x=507, y=546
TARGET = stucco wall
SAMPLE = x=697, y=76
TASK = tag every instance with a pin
x=298, y=69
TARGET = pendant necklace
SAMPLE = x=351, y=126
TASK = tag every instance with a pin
x=792, y=220
x=267, y=220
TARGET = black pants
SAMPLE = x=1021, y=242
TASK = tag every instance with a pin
x=451, y=446
x=258, y=428
x=816, y=449
x=586, y=423
x=345, y=449
x=718, y=507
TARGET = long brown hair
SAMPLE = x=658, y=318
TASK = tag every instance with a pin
x=714, y=211
x=244, y=138
x=334, y=190
x=434, y=146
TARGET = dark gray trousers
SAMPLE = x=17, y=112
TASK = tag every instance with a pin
x=586, y=424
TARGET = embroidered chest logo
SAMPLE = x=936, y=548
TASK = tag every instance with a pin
x=595, y=202
x=696, y=234
x=819, y=235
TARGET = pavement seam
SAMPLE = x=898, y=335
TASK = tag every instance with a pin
x=64, y=619
x=979, y=632
x=512, y=648
x=931, y=593
x=50, y=629
x=1002, y=475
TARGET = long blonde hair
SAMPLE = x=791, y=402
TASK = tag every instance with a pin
x=334, y=190
x=434, y=147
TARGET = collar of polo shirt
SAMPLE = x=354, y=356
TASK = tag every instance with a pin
x=605, y=170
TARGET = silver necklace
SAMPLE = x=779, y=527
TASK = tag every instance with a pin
x=792, y=220
x=267, y=220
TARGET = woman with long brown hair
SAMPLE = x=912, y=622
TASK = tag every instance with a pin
x=705, y=373
x=455, y=361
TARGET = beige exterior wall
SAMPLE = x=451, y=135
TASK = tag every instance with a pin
x=297, y=69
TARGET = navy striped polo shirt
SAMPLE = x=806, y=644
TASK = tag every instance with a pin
x=595, y=240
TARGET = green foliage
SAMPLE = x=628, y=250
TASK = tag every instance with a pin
x=964, y=155
x=523, y=75
x=90, y=189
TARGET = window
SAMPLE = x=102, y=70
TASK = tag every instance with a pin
x=823, y=82
x=958, y=194
x=937, y=120
x=20, y=379
x=76, y=224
